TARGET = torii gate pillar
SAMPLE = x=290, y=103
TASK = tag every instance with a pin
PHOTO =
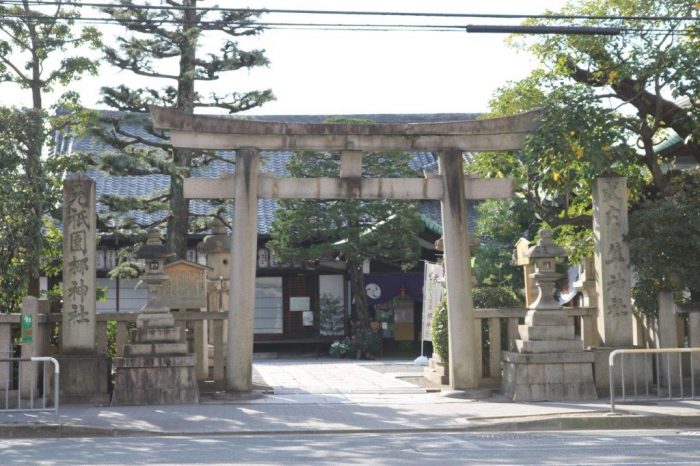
x=239, y=369
x=463, y=364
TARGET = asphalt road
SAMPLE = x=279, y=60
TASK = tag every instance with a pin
x=581, y=447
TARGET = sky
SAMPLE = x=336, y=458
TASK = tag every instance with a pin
x=349, y=72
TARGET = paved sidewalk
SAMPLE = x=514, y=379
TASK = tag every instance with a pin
x=308, y=398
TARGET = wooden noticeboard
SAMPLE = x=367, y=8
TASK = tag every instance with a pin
x=186, y=286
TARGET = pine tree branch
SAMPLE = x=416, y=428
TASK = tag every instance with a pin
x=137, y=64
x=236, y=102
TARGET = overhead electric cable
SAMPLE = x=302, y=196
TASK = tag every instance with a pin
x=584, y=30
x=355, y=12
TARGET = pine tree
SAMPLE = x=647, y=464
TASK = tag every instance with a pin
x=175, y=32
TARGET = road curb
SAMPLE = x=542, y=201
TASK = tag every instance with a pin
x=622, y=422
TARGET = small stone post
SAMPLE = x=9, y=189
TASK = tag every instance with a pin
x=520, y=258
x=586, y=284
x=694, y=331
x=30, y=345
x=668, y=338
x=550, y=363
x=6, y=322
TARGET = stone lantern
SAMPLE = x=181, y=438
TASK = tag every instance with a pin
x=544, y=256
x=154, y=313
x=549, y=363
x=217, y=248
x=156, y=367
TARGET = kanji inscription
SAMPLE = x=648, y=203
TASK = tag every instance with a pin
x=79, y=231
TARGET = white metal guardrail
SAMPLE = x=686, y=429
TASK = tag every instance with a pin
x=11, y=381
x=664, y=359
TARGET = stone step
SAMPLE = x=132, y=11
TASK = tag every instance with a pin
x=155, y=361
x=546, y=332
x=537, y=317
x=144, y=349
x=155, y=319
x=156, y=335
x=552, y=346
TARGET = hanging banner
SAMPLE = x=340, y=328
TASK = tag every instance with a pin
x=433, y=289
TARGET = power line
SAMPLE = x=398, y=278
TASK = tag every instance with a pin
x=356, y=12
x=369, y=27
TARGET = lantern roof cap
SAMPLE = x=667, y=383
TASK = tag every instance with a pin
x=546, y=247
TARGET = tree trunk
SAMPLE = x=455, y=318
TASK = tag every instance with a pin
x=359, y=294
x=178, y=223
x=33, y=167
x=34, y=171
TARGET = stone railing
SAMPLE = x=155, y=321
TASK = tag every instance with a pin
x=492, y=323
x=205, y=331
x=206, y=336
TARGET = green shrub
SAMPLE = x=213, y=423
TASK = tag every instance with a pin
x=483, y=297
x=440, y=336
x=495, y=297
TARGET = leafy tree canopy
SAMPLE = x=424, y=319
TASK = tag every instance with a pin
x=607, y=102
x=665, y=242
x=39, y=52
x=354, y=231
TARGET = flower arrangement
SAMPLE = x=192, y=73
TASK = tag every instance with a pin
x=364, y=343
x=340, y=348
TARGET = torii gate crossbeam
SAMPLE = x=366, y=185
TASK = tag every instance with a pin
x=451, y=187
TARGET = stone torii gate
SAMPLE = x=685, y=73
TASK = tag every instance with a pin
x=451, y=187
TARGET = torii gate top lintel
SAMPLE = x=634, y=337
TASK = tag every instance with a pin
x=225, y=133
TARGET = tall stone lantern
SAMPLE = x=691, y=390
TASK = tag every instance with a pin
x=154, y=253
x=217, y=248
x=549, y=362
x=156, y=368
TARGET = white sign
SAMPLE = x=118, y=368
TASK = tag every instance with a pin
x=433, y=288
x=301, y=303
x=308, y=318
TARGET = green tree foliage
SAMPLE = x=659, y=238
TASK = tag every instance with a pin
x=499, y=226
x=575, y=143
x=354, y=231
x=665, y=242
x=439, y=332
x=607, y=102
x=643, y=73
x=166, y=46
x=39, y=52
x=484, y=297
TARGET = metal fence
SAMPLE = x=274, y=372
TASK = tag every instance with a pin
x=662, y=370
x=25, y=399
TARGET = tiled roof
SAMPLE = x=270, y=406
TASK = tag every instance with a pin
x=272, y=162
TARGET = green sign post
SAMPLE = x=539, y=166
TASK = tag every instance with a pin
x=26, y=328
